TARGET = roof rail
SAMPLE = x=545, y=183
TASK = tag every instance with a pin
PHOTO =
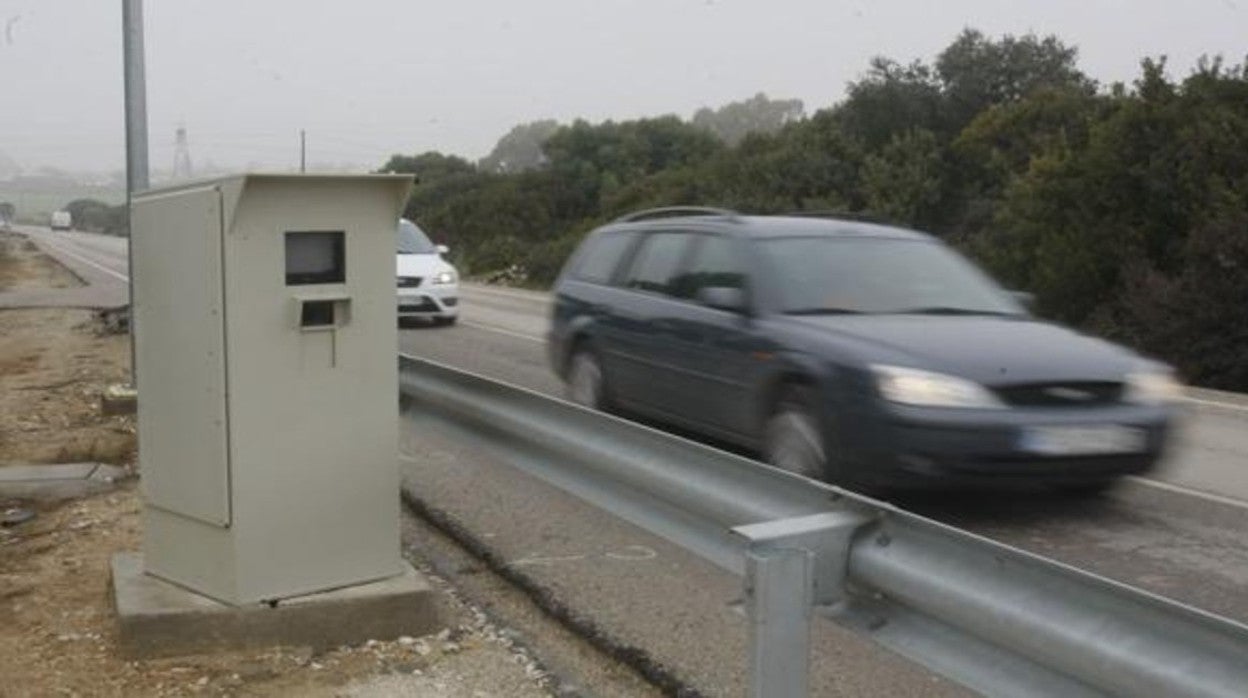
x=676, y=211
x=858, y=216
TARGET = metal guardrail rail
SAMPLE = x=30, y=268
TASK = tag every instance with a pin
x=996, y=619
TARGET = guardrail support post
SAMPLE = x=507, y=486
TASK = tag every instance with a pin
x=778, y=595
x=791, y=565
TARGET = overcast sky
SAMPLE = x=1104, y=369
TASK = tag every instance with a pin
x=368, y=78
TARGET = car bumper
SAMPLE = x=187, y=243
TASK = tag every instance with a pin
x=921, y=447
x=440, y=301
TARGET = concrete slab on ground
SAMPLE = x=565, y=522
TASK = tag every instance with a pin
x=119, y=399
x=58, y=481
x=158, y=619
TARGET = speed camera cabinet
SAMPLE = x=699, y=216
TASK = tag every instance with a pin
x=265, y=340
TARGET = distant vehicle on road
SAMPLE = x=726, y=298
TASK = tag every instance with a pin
x=61, y=220
x=862, y=354
x=428, y=286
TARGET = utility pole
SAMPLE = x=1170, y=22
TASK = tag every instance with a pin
x=136, y=135
x=182, y=167
x=303, y=150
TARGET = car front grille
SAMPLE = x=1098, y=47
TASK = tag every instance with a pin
x=409, y=281
x=1073, y=394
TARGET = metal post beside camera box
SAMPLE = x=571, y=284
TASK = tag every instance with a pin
x=265, y=340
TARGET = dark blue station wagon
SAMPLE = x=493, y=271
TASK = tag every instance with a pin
x=862, y=354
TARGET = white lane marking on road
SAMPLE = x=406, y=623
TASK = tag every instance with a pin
x=1214, y=403
x=635, y=552
x=87, y=261
x=531, y=296
x=547, y=560
x=629, y=553
x=499, y=330
x=1179, y=489
x=89, y=245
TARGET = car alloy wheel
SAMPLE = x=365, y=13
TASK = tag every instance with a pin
x=793, y=442
x=585, y=384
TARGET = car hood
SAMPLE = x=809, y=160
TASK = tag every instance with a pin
x=422, y=265
x=987, y=350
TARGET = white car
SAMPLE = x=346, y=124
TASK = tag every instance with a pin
x=428, y=284
x=62, y=220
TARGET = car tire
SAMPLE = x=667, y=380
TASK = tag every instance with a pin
x=792, y=439
x=587, y=384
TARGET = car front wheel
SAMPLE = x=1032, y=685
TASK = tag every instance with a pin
x=586, y=386
x=793, y=441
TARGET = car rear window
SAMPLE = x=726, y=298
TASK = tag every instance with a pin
x=602, y=256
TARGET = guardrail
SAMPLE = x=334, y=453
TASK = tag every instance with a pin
x=997, y=619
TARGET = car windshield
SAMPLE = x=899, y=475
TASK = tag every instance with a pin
x=838, y=276
x=412, y=240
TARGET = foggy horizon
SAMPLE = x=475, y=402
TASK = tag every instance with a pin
x=377, y=78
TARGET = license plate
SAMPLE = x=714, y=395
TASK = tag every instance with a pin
x=1082, y=441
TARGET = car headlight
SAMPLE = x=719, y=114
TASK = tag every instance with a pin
x=444, y=277
x=1152, y=388
x=911, y=386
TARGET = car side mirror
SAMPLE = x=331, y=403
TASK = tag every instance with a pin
x=1024, y=298
x=727, y=298
x=443, y=249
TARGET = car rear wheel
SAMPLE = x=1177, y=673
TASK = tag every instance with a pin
x=793, y=441
x=586, y=386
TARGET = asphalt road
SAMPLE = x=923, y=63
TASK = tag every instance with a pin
x=1180, y=533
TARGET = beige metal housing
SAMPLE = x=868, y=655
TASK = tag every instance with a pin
x=265, y=340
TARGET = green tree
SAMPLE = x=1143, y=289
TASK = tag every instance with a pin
x=998, y=147
x=891, y=99
x=88, y=214
x=520, y=149
x=758, y=114
x=428, y=166
x=597, y=162
x=903, y=181
x=1148, y=173
x=1193, y=317
x=976, y=72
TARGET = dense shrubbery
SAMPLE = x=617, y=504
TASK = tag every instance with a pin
x=98, y=217
x=1123, y=207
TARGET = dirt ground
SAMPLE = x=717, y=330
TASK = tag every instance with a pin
x=57, y=628
x=27, y=268
x=53, y=365
x=58, y=632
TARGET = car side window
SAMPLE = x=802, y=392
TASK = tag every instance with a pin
x=603, y=256
x=715, y=264
x=657, y=261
